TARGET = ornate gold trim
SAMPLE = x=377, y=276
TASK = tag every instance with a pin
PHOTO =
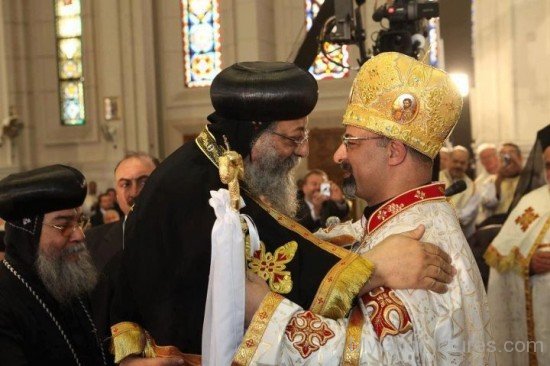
x=529, y=296
x=256, y=329
x=128, y=339
x=514, y=260
x=341, y=285
x=292, y=225
x=207, y=144
x=352, y=348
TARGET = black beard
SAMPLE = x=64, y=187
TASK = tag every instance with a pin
x=349, y=186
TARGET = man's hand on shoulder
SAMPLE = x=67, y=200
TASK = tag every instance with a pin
x=402, y=261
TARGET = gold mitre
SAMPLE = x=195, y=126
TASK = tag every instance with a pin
x=404, y=99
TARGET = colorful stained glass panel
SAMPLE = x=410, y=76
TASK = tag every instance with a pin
x=323, y=68
x=69, y=61
x=201, y=41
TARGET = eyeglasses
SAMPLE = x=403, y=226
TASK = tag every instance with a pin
x=297, y=142
x=346, y=139
x=69, y=229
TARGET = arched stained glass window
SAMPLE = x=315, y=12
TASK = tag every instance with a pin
x=68, y=31
x=322, y=68
x=201, y=41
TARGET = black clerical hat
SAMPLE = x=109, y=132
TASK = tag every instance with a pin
x=544, y=137
x=263, y=91
x=39, y=191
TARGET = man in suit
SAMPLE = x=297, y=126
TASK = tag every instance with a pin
x=105, y=241
x=315, y=207
x=105, y=202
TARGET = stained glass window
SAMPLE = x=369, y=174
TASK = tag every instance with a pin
x=68, y=26
x=201, y=41
x=433, y=39
x=322, y=67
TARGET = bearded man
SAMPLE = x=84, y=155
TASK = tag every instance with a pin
x=391, y=164
x=261, y=111
x=47, y=271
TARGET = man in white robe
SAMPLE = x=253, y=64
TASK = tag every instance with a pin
x=388, y=327
x=519, y=281
x=466, y=203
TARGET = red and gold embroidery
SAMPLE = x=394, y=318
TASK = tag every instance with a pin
x=403, y=201
x=387, y=312
x=526, y=218
x=271, y=267
x=308, y=333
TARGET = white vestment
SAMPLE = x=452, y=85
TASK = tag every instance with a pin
x=387, y=327
x=520, y=303
x=466, y=203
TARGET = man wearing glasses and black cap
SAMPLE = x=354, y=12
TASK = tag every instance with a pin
x=47, y=271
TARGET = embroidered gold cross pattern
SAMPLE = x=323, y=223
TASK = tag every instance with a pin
x=526, y=218
x=388, y=314
x=308, y=333
x=271, y=267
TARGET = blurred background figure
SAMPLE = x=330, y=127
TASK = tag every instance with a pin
x=90, y=203
x=319, y=199
x=105, y=202
x=444, y=158
x=112, y=192
x=488, y=158
x=465, y=202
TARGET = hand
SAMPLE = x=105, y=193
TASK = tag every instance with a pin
x=156, y=361
x=336, y=193
x=401, y=261
x=540, y=262
x=317, y=200
x=256, y=289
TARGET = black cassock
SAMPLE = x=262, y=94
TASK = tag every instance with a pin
x=28, y=336
x=165, y=265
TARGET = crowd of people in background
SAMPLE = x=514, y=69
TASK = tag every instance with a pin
x=489, y=189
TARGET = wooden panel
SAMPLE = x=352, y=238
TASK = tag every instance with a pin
x=189, y=137
x=323, y=142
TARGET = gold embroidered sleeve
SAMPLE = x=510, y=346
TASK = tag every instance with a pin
x=128, y=339
x=256, y=329
x=341, y=285
x=512, y=261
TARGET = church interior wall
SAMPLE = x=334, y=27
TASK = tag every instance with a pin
x=133, y=52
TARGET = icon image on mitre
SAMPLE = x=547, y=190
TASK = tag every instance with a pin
x=404, y=108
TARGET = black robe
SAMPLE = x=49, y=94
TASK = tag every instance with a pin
x=28, y=336
x=105, y=245
x=165, y=265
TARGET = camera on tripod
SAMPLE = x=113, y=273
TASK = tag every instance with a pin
x=406, y=33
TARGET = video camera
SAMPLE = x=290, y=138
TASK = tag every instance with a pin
x=405, y=34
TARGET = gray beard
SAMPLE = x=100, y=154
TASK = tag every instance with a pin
x=64, y=279
x=273, y=177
